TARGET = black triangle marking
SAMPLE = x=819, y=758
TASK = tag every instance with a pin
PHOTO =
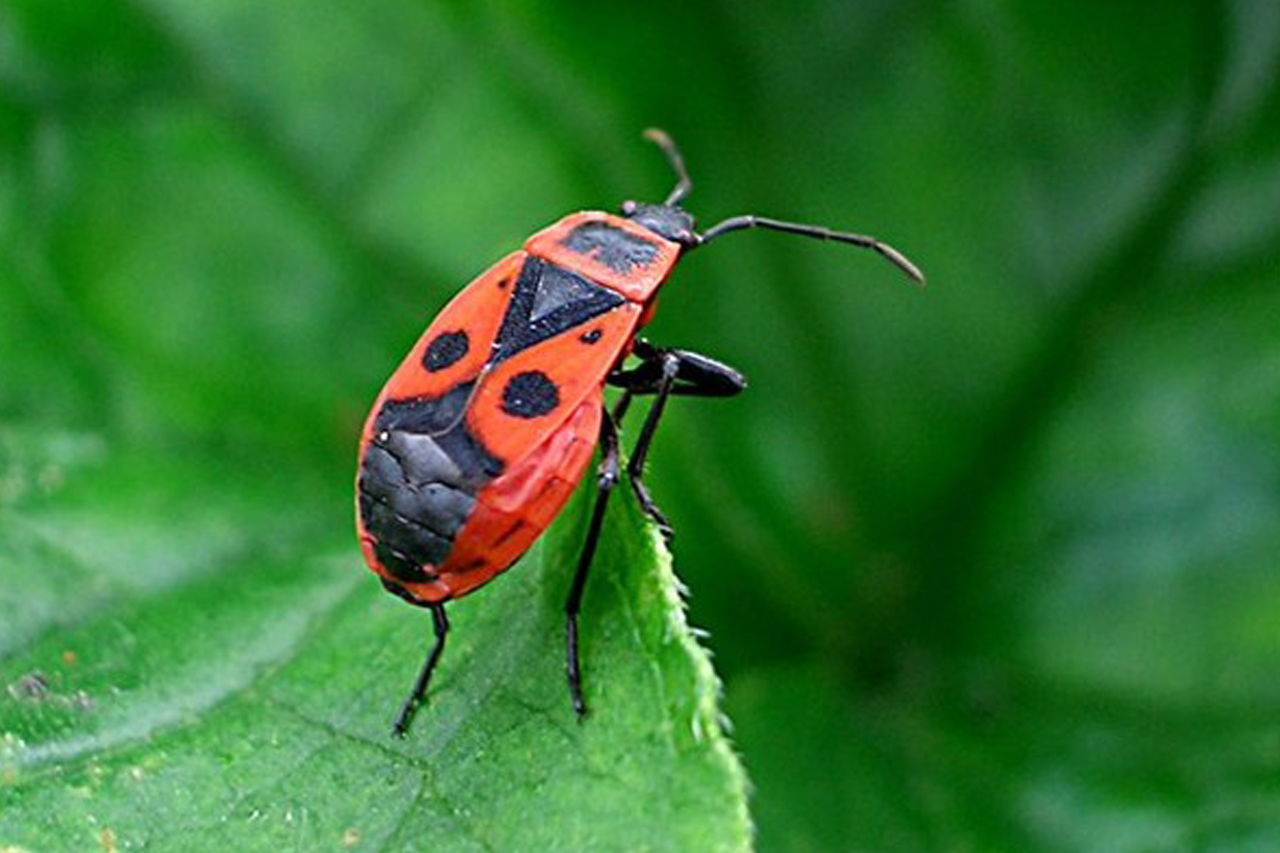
x=557, y=291
x=547, y=301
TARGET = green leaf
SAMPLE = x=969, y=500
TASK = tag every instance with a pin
x=189, y=670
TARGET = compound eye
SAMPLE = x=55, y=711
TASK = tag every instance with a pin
x=629, y=207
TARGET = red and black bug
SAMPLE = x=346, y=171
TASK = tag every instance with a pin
x=479, y=437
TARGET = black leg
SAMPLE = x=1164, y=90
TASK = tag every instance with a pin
x=620, y=408
x=415, y=699
x=606, y=480
x=661, y=372
x=664, y=372
x=670, y=366
x=697, y=375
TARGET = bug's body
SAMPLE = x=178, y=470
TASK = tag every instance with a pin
x=480, y=436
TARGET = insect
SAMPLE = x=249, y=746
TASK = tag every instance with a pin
x=480, y=436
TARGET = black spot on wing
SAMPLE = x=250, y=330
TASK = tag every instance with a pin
x=531, y=394
x=618, y=250
x=445, y=350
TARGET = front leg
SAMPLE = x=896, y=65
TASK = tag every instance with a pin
x=664, y=372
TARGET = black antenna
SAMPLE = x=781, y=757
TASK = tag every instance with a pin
x=683, y=184
x=738, y=223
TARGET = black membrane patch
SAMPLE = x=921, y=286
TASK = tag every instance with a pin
x=402, y=567
x=418, y=480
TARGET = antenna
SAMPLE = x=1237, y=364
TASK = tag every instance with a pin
x=738, y=223
x=683, y=184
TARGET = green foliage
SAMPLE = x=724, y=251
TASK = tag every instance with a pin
x=240, y=693
x=991, y=566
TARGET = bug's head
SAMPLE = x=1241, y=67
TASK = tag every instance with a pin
x=669, y=219
x=666, y=220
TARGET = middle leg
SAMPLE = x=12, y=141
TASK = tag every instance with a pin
x=663, y=372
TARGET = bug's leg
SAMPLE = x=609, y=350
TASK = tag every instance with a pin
x=605, y=481
x=411, y=704
x=620, y=408
x=669, y=366
x=697, y=375
x=664, y=372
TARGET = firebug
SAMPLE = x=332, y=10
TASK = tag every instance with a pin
x=480, y=436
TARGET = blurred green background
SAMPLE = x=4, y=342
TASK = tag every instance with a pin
x=988, y=566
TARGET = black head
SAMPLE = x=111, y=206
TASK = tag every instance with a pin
x=666, y=220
